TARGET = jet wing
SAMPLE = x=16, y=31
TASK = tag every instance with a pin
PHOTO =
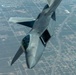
x=23, y=21
x=17, y=55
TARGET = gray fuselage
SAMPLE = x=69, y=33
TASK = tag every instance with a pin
x=35, y=41
x=35, y=47
x=42, y=22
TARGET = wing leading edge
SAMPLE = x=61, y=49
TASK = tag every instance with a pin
x=23, y=21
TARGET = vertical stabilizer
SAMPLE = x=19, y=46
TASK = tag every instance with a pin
x=50, y=2
x=54, y=16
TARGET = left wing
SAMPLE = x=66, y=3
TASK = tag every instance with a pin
x=23, y=21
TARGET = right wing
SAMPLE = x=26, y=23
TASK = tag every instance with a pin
x=23, y=21
x=17, y=55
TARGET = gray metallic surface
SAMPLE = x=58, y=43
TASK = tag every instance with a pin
x=45, y=16
x=40, y=25
x=59, y=56
x=34, y=50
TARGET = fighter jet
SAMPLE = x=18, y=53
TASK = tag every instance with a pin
x=34, y=43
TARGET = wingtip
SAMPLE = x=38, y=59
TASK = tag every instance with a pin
x=18, y=54
x=12, y=20
x=11, y=63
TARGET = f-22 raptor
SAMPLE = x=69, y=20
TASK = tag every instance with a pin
x=35, y=41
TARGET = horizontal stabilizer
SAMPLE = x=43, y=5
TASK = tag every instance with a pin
x=23, y=21
x=46, y=6
x=53, y=16
x=18, y=54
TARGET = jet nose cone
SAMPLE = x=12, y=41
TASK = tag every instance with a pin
x=31, y=62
